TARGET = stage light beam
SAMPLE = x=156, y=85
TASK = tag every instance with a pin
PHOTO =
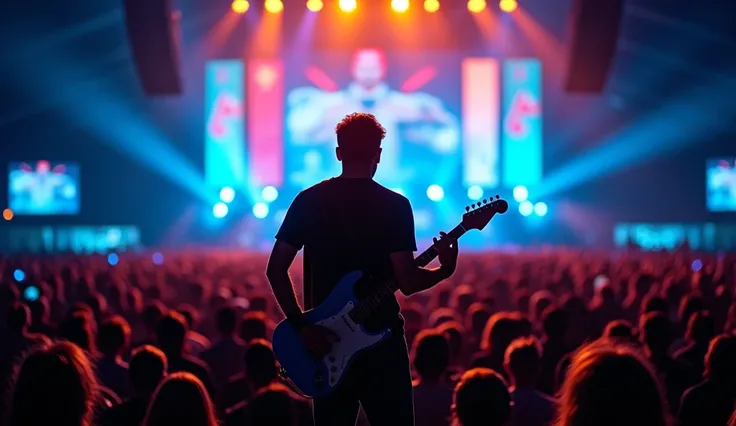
x=475, y=192
x=274, y=6
x=348, y=5
x=431, y=6
x=240, y=6
x=220, y=210
x=315, y=5
x=227, y=195
x=540, y=209
x=526, y=208
x=520, y=193
x=508, y=6
x=435, y=193
x=269, y=194
x=400, y=6
x=260, y=210
x=476, y=6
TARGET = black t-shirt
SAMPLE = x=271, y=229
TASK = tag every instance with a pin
x=344, y=225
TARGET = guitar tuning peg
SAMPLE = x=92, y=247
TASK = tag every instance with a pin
x=498, y=197
x=485, y=201
x=473, y=205
x=467, y=208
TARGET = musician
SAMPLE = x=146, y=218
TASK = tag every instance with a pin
x=350, y=223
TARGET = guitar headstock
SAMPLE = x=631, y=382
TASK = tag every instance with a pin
x=478, y=215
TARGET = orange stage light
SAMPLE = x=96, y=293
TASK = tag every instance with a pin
x=431, y=6
x=400, y=5
x=348, y=5
x=315, y=5
x=8, y=214
x=508, y=6
x=273, y=6
x=240, y=6
x=476, y=6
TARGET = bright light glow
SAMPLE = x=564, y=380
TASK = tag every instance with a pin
x=269, y=194
x=508, y=6
x=315, y=5
x=260, y=210
x=113, y=259
x=348, y=5
x=521, y=193
x=476, y=6
x=540, y=209
x=273, y=6
x=8, y=214
x=240, y=6
x=19, y=275
x=697, y=265
x=158, y=258
x=400, y=5
x=227, y=194
x=220, y=210
x=431, y=6
x=475, y=192
x=435, y=193
x=526, y=208
x=31, y=293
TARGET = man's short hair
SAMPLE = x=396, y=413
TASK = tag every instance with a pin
x=359, y=136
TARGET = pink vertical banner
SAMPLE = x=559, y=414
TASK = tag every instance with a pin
x=481, y=116
x=265, y=118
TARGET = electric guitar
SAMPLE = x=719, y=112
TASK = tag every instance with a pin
x=344, y=314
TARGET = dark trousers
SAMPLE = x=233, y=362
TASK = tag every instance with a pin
x=379, y=380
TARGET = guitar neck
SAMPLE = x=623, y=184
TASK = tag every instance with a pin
x=372, y=303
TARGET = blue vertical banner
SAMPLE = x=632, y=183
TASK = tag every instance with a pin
x=522, y=133
x=225, y=144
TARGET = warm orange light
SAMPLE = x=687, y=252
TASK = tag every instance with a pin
x=274, y=6
x=240, y=6
x=8, y=214
x=508, y=6
x=476, y=6
x=400, y=5
x=314, y=5
x=348, y=5
x=431, y=6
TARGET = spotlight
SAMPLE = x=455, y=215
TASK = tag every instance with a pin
x=521, y=193
x=400, y=5
x=435, y=193
x=347, y=5
x=540, y=209
x=508, y=6
x=19, y=275
x=273, y=6
x=475, y=192
x=220, y=210
x=526, y=208
x=431, y=6
x=158, y=258
x=260, y=210
x=227, y=195
x=269, y=194
x=240, y=6
x=476, y=6
x=113, y=259
x=315, y=5
x=8, y=214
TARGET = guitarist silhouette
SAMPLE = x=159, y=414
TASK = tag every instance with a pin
x=351, y=223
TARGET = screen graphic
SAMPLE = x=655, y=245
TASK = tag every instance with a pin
x=43, y=188
x=721, y=185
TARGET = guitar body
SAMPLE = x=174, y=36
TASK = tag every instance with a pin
x=317, y=378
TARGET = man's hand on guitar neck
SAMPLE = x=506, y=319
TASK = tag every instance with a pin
x=447, y=252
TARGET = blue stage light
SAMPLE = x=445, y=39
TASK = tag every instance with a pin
x=521, y=193
x=113, y=259
x=435, y=193
x=269, y=194
x=158, y=258
x=227, y=194
x=526, y=208
x=260, y=210
x=540, y=209
x=19, y=275
x=475, y=193
x=220, y=210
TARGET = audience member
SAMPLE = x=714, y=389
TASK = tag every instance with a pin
x=113, y=339
x=147, y=369
x=225, y=356
x=481, y=398
x=180, y=400
x=432, y=392
x=530, y=407
x=700, y=330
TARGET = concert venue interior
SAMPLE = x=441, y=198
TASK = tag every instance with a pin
x=472, y=94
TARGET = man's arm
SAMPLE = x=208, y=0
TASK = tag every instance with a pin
x=277, y=272
x=413, y=279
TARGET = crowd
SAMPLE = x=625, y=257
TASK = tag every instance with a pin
x=560, y=337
